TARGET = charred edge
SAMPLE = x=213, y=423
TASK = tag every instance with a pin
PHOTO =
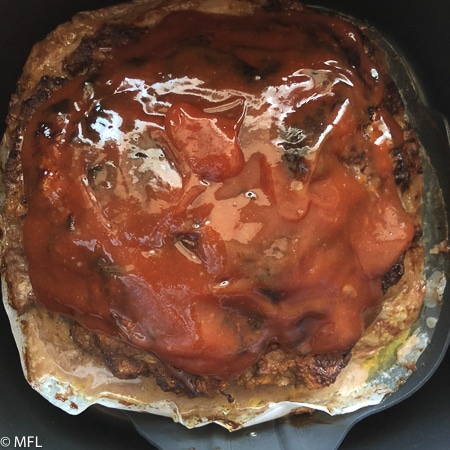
x=394, y=275
x=171, y=379
x=127, y=362
x=45, y=88
x=406, y=163
x=13, y=170
x=123, y=365
x=93, y=51
x=392, y=100
x=322, y=370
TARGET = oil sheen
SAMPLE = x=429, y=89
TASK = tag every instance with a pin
x=219, y=185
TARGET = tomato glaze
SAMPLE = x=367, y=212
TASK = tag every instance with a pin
x=219, y=186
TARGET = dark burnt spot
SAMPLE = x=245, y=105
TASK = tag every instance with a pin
x=406, y=163
x=168, y=384
x=392, y=100
x=124, y=363
x=394, y=275
x=44, y=90
x=12, y=171
x=127, y=362
x=172, y=379
x=230, y=398
x=329, y=366
x=401, y=175
x=93, y=51
x=13, y=155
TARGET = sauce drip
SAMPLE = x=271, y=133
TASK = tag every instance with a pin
x=220, y=185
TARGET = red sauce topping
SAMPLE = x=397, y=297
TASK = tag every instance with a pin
x=221, y=185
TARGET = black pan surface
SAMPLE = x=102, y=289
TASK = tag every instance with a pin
x=416, y=417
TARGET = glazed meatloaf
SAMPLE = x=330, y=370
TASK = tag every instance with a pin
x=209, y=194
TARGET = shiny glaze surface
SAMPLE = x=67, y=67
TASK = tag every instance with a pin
x=221, y=185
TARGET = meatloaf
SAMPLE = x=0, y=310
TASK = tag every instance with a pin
x=212, y=196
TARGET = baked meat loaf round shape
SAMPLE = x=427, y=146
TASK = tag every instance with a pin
x=216, y=196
